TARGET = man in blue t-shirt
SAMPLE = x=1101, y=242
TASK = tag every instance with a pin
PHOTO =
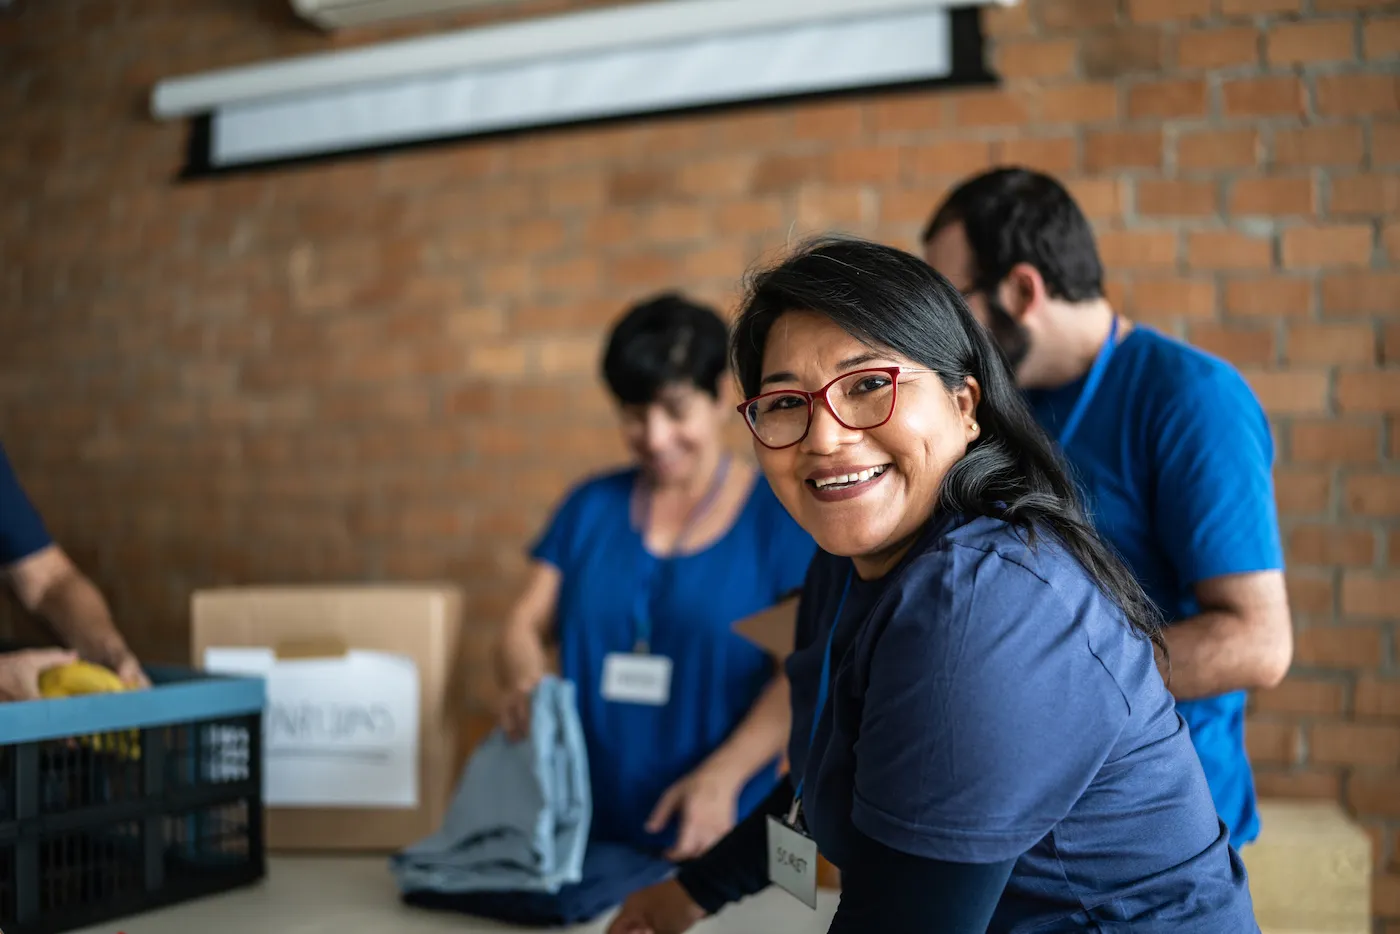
x=1171, y=449
x=49, y=585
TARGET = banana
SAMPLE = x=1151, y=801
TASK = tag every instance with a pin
x=80, y=678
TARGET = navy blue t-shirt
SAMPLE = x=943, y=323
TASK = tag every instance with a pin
x=988, y=702
x=22, y=532
x=635, y=751
x=1175, y=461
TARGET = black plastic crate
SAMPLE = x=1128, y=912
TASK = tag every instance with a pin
x=120, y=812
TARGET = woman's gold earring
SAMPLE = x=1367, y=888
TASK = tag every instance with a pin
x=974, y=427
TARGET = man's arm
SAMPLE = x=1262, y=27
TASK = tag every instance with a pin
x=1241, y=640
x=50, y=586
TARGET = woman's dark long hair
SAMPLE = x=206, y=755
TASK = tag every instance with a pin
x=886, y=297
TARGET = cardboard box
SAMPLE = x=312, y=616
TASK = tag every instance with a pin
x=345, y=769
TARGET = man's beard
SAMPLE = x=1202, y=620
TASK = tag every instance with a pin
x=1009, y=334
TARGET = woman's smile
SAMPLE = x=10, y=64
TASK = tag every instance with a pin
x=838, y=484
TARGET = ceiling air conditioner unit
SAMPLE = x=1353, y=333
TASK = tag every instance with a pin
x=337, y=14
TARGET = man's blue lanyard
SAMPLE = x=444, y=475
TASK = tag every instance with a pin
x=641, y=614
x=821, y=694
x=1091, y=385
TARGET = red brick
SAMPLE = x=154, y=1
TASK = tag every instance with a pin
x=1308, y=43
x=1117, y=52
x=716, y=177
x=1007, y=20
x=782, y=173
x=1253, y=7
x=1138, y=249
x=1318, y=544
x=1242, y=346
x=1187, y=298
x=989, y=108
x=1272, y=782
x=1340, y=647
x=1275, y=196
x=1055, y=155
x=1390, y=344
x=1365, y=194
x=1385, y=895
x=1298, y=695
x=1372, y=495
x=1223, y=47
x=1334, y=441
x=1381, y=37
x=1360, y=293
x=1385, y=143
x=1331, y=343
x=1167, y=99
x=1107, y=151
x=1079, y=103
x=864, y=165
x=1390, y=236
x=950, y=158
x=838, y=122
x=1228, y=249
x=1272, y=742
x=1375, y=793
x=1354, y=744
x=819, y=208
x=1290, y=392
x=1368, y=594
x=1218, y=149
x=1377, y=391
x=1097, y=197
x=638, y=186
x=1076, y=15
x=1037, y=58
x=1378, y=697
x=1262, y=97
x=747, y=217
x=909, y=113
x=1177, y=198
x=1277, y=297
x=1334, y=144
x=724, y=261
x=1327, y=245
x=1353, y=95
x=677, y=223
x=1162, y=11
x=1310, y=592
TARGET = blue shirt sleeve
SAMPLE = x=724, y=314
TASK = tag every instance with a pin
x=22, y=531
x=1214, y=506
x=560, y=540
x=973, y=737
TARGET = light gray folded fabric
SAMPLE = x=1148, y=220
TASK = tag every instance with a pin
x=520, y=817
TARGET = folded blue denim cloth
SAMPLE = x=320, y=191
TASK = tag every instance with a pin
x=611, y=872
x=519, y=820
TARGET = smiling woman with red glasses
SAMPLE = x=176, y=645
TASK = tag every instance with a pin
x=981, y=740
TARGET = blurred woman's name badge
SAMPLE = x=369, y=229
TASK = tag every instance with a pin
x=792, y=862
x=634, y=678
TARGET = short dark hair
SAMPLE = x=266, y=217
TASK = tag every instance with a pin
x=886, y=297
x=663, y=340
x=1014, y=215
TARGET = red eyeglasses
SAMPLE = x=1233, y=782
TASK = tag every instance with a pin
x=861, y=400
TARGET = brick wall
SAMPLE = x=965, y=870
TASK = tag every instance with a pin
x=385, y=368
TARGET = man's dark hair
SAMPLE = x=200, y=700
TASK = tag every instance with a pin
x=664, y=340
x=1014, y=215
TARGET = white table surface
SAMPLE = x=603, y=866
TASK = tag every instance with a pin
x=320, y=895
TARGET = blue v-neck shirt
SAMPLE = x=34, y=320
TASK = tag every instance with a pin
x=636, y=751
x=1175, y=460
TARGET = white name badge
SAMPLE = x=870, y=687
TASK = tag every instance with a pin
x=792, y=862
x=637, y=679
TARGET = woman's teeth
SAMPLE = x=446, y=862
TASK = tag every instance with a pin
x=849, y=479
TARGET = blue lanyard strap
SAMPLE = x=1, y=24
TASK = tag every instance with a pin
x=641, y=614
x=825, y=685
x=1091, y=385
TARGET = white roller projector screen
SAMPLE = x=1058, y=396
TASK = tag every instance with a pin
x=628, y=61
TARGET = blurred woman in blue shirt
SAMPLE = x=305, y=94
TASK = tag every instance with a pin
x=981, y=739
x=639, y=578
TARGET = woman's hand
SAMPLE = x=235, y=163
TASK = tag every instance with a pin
x=20, y=671
x=707, y=801
x=664, y=908
x=520, y=667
